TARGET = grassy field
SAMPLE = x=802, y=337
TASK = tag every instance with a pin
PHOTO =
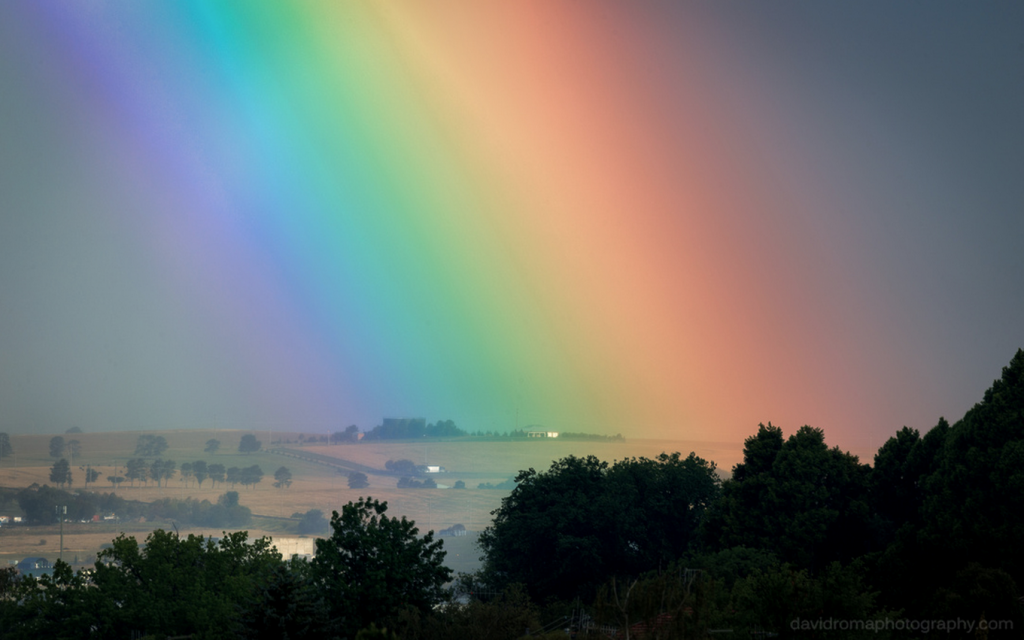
x=314, y=486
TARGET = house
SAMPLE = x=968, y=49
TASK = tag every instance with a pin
x=35, y=566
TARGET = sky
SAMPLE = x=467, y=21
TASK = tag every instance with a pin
x=661, y=219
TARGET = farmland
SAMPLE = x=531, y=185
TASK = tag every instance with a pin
x=314, y=485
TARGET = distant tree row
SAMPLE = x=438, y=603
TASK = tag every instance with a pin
x=404, y=467
x=39, y=505
x=413, y=429
x=150, y=446
x=349, y=435
x=226, y=512
x=60, y=448
x=406, y=482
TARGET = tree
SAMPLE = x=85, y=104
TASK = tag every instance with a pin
x=402, y=467
x=357, y=480
x=60, y=472
x=965, y=481
x=212, y=446
x=57, y=447
x=313, y=522
x=75, y=429
x=150, y=445
x=459, y=484
x=350, y=434
x=180, y=586
x=444, y=429
x=216, y=472
x=74, y=448
x=374, y=565
x=583, y=521
x=136, y=469
x=249, y=444
x=185, y=472
x=282, y=478
x=799, y=499
x=91, y=475
x=161, y=470
x=200, y=471
x=5, y=446
x=250, y=476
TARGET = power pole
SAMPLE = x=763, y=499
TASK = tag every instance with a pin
x=61, y=512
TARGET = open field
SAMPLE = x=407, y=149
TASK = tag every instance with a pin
x=314, y=486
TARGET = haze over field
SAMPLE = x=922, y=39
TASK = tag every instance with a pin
x=662, y=220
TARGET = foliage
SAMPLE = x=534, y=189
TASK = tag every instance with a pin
x=212, y=445
x=161, y=470
x=282, y=478
x=675, y=602
x=349, y=435
x=150, y=446
x=443, y=429
x=227, y=512
x=964, y=488
x=57, y=446
x=91, y=475
x=285, y=604
x=136, y=469
x=313, y=522
x=406, y=482
x=373, y=565
x=178, y=586
x=199, y=471
x=247, y=477
x=249, y=444
x=507, y=485
x=358, y=480
x=373, y=633
x=502, y=617
x=216, y=473
x=976, y=490
x=74, y=448
x=5, y=446
x=60, y=472
x=775, y=601
x=459, y=484
x=39, y=503
x=798, y=499
x=582, y=522
x=402, y=467
x=398, y=429
x=251, y=476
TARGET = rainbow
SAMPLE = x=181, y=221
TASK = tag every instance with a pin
x=588, y=216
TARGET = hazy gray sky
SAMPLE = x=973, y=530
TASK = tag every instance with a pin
x=163, y=264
